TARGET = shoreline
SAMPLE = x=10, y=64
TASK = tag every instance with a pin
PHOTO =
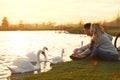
x=113, y=33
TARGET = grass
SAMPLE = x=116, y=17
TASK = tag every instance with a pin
x=79, y=70
x=113, y=30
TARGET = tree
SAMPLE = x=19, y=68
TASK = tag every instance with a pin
x=118, y=19
x=4, y=22
x=21, y=23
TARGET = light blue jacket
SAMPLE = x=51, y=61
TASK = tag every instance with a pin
x=104, y=43
x=85, y=50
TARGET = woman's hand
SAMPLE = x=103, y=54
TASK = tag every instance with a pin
x=76, y=51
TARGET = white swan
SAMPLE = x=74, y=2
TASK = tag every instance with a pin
x=32, y=55
x=57, y=59
x=21, y=65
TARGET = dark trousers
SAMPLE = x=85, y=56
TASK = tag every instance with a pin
x=104, y=55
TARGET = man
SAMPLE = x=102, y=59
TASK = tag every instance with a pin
x=83, y=49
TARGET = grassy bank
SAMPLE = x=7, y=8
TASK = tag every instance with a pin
x=80, y=30
x=79, y=70
x=113, y=30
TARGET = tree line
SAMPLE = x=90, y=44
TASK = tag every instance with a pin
x=52, y=25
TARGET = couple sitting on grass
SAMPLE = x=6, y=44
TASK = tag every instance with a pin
x=100, y=46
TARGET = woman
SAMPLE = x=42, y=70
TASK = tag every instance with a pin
x=101, y=46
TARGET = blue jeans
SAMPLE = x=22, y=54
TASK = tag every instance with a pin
x=104, y=55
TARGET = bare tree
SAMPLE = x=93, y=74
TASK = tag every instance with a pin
x=4, y=22
x=21, y=23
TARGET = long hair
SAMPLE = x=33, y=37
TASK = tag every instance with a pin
x=96, y=31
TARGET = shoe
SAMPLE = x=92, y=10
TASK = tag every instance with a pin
x=76, y=57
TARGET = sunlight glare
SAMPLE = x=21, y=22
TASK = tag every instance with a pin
x=17, y=44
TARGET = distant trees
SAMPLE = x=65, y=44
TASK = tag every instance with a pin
x=5, y=22
x=53, y=25
x=118, y=19
x=21, y=23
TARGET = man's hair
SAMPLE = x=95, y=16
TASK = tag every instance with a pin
x=87, y=25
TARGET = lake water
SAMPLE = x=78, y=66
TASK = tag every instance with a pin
x=19, y=43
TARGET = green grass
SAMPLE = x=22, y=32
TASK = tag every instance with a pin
x=76, y=30
x=113, y=30
x=79, y=70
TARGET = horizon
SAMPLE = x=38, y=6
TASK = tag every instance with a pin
x=59, y=11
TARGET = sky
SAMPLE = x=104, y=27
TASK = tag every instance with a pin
x=59, y=11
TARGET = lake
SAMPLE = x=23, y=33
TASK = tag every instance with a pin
x=18, y=43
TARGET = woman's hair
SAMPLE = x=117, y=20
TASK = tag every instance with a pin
x=97, y=31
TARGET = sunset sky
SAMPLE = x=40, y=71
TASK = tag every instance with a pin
x=60, y=11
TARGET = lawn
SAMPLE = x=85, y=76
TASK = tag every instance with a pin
x=79, y=70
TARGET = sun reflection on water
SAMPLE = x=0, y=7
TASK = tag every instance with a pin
x=17, y=41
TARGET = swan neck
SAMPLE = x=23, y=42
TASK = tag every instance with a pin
x=44, y=53
x=43, y=50
x=38, y=57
